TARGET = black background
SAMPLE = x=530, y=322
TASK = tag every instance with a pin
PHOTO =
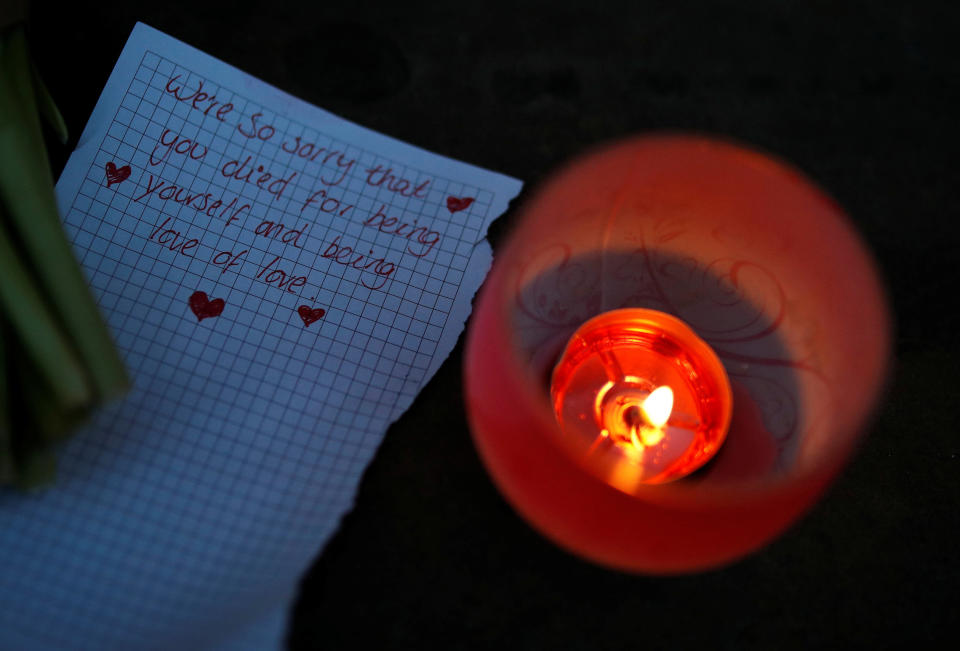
x=862, y=96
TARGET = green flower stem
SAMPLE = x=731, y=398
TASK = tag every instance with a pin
x=26, y=191
x=36, y=329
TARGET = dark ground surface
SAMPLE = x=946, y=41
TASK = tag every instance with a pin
x=861, y=96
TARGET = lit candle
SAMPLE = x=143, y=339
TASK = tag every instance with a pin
x=592, y=236
x=640, y=384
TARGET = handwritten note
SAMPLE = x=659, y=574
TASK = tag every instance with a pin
x=281, y=284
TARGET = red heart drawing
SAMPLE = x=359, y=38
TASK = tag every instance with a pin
x=309, y=315
x=456, y=204
x=203, y=307
x=116, y=174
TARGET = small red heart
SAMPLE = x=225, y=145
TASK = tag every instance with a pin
x=203, y=307
x=115, y=174
x=309, y=315
x=456, y=204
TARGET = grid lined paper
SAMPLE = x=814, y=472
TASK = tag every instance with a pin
x=187, y=511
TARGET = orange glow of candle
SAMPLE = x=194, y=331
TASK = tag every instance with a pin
x=643, y=387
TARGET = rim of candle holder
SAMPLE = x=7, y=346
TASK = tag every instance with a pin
x=512, y=417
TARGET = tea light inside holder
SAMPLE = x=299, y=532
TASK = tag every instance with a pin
x=641, y=385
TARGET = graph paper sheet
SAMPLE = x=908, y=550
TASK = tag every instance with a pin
x=281, y=283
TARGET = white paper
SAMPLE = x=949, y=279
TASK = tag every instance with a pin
x=186, y=513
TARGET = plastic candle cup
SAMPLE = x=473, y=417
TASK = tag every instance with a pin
x=676, y=350
x=641, y=385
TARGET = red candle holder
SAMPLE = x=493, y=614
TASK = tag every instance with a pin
x=783, y=334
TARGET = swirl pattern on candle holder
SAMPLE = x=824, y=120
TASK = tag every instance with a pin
x=737, y=305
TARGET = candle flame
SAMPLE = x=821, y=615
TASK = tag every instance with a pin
x=657, y=406
x=655, y=411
